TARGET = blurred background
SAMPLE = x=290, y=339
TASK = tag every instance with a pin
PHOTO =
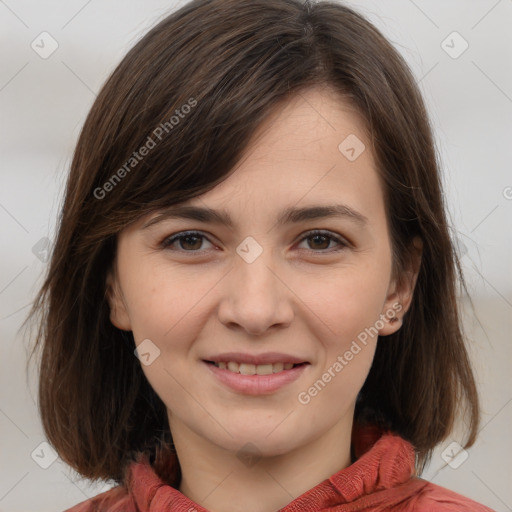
x=55, y=55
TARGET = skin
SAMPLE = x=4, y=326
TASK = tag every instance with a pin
x=300, y=296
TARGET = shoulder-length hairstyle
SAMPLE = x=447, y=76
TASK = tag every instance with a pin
x=192, y=92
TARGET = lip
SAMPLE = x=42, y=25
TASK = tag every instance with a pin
x=266, y=358
x=256, y=384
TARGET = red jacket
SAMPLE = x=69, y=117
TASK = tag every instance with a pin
x=380, y=480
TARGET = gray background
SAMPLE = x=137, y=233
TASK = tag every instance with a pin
x=44, y=102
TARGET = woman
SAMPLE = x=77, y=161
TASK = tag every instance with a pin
x=251, y=303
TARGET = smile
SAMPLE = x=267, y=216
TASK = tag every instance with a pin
x=255, y=379
x=253, y=369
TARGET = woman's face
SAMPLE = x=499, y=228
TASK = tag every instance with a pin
x=265, y=289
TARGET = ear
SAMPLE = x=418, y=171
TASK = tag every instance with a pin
x=401, y=291
x=118, y=310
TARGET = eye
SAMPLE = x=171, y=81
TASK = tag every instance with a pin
x=187, y=240
x=192, y=241
x=320, y=238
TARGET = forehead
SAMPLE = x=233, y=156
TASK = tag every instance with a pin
x=314, y=145
x=312, y=119
x=311, y=150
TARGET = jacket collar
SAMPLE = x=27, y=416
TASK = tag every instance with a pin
x=384, y=463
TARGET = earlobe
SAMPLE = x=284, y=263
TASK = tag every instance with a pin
x=118, y=311
x=400, y=297
x=392, y=317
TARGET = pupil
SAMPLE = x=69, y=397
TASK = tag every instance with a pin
x=316, y=237
x=189, y=237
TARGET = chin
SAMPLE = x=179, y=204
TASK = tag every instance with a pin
x=259, y=447
x=268, y=440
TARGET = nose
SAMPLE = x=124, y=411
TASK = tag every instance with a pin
x=256, y=297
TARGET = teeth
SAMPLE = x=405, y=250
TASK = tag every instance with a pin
x=277, y=367
x=254, y=369
x=234, y=367
x=264, y=369
x=247, y=369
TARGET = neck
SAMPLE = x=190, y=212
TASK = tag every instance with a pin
x=224, y=481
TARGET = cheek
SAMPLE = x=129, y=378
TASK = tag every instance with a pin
x=350, y=309
x=165, y=300
x=165, y=308
x=351, y=300
x=170, y=307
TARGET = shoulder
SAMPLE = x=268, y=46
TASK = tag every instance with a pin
x=116, y=499
x=434, y=497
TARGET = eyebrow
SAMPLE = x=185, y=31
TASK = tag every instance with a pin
x=288, y=216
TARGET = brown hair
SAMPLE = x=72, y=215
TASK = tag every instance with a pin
x=232, y=63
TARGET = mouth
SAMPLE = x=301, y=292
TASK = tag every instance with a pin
x=255, y=379
x=254, y=369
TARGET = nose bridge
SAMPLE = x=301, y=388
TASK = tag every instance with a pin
x=257, y=296
x=255, y=267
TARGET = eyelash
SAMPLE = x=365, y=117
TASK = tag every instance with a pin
x=167, y=242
